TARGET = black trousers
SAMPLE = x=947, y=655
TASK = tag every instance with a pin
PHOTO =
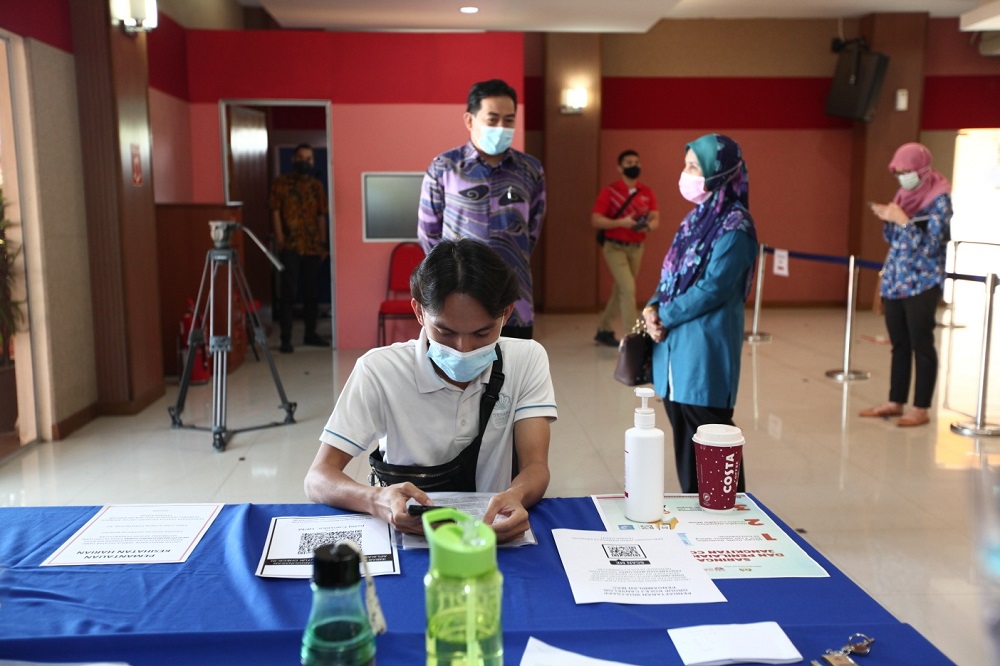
x=684, y=420
x=304, y=268
x=910, y=322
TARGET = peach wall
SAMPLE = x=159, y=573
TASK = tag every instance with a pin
x=407, y=138
x=799, y=193
x=206, y=154
x=170, y=124
x=365, y=137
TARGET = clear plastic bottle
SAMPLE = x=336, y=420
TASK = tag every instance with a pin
x=338, y=632
x=464, y=590
x=644, y=464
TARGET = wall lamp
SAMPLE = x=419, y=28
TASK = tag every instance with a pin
x=574, y=100
x=134, y=16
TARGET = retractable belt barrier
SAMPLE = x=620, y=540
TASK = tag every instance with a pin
x=978, y=428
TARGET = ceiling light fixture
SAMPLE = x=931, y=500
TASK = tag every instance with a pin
x=469, y=10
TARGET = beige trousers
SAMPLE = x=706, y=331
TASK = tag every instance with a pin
x=623, y=262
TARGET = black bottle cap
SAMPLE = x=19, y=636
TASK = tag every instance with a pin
x=335, y=566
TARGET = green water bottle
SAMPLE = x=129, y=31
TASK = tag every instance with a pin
x=338, y=632
x=463, y=590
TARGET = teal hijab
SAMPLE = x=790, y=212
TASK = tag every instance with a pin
x=728, y=209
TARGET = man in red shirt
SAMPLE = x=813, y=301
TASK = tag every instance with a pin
x=625, y=211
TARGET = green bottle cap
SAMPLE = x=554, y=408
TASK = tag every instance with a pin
x=461, y=546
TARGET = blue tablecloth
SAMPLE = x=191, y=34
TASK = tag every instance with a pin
x=212, y=609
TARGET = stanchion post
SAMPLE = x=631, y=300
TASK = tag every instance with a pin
x=846, y=374
x=753, y=335
x=951, y=251
x=980, y=428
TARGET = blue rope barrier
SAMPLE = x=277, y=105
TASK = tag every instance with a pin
x=830, y=259
x=863, y=263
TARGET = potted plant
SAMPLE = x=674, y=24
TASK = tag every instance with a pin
x=10, y=315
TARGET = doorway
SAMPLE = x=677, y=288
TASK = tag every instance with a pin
x=18, y=418
x=255, y=136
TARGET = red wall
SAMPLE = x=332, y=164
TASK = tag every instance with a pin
x=44, y=20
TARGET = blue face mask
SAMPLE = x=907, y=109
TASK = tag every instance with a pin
x=495, y=140
x=461, y=366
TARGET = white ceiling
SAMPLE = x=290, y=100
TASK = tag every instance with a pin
x=583, y=15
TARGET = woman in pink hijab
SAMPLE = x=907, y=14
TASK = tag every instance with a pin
x=917, y=228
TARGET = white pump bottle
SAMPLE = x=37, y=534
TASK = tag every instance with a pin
x=644, y=465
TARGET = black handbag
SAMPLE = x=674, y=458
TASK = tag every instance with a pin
x=459, y=473
x=635, y=357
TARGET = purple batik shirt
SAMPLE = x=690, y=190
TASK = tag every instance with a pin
x=464, y=197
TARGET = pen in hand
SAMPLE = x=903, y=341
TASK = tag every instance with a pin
x=420, y=509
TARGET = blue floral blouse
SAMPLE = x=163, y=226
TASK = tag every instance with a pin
x=917, y=251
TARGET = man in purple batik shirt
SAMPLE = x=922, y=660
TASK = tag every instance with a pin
x=488, y=191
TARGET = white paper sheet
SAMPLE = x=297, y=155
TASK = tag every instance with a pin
x=635, y=568
x=718, y=644
x=781, y=263
x=137, y=534
x=288, y=549
x=538, y=653
x=473, y=504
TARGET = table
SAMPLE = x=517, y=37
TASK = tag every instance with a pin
x=212, y=609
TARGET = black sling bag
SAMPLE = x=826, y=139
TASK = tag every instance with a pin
x=600, y=232
x=458, y=474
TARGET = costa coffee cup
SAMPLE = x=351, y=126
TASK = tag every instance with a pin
x=718, y=451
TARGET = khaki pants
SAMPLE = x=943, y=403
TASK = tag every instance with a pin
x=623, y=262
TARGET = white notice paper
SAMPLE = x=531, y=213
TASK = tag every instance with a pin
x=781, y=263
x=718, y=644
x=632, y=568
x=538, y=653
x=137, y=534
x=288, y=549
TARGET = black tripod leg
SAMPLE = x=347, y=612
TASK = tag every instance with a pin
x=195, y=337
x=261, y=338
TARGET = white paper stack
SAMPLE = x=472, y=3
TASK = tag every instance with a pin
x=717, y=644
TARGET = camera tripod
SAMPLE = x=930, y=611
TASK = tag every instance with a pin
x=219, y=346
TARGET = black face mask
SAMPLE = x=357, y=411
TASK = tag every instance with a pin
x=632, y=172
x=302, y=168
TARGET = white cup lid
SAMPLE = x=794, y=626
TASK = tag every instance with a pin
x=717, y=434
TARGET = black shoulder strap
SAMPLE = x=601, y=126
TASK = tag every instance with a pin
x=625, y=205
x=491, y=394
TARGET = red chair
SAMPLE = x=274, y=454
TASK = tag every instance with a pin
x=404, y=258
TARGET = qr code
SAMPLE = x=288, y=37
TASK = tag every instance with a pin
x=620, y=550
x=313, y=540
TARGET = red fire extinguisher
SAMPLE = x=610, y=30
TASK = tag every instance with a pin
x=200, y=371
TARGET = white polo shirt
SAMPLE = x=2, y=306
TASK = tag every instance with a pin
x=394, y=392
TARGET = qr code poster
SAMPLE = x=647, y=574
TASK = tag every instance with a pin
x=633, y=568
x=291, y=542
x=623, y=551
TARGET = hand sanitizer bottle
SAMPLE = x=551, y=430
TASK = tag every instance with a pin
x=644, y=465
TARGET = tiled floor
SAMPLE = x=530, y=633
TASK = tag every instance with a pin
x=892, y=507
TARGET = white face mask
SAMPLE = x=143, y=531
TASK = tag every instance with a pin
x=908, y=180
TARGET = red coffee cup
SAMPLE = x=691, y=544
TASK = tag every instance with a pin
x=718, y=451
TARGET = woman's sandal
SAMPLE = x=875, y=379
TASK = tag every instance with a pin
x=916, y=417
x=882, y=410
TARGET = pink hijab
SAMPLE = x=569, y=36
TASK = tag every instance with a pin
x=916, y=157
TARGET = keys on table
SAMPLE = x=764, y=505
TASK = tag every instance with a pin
x=857, y=644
